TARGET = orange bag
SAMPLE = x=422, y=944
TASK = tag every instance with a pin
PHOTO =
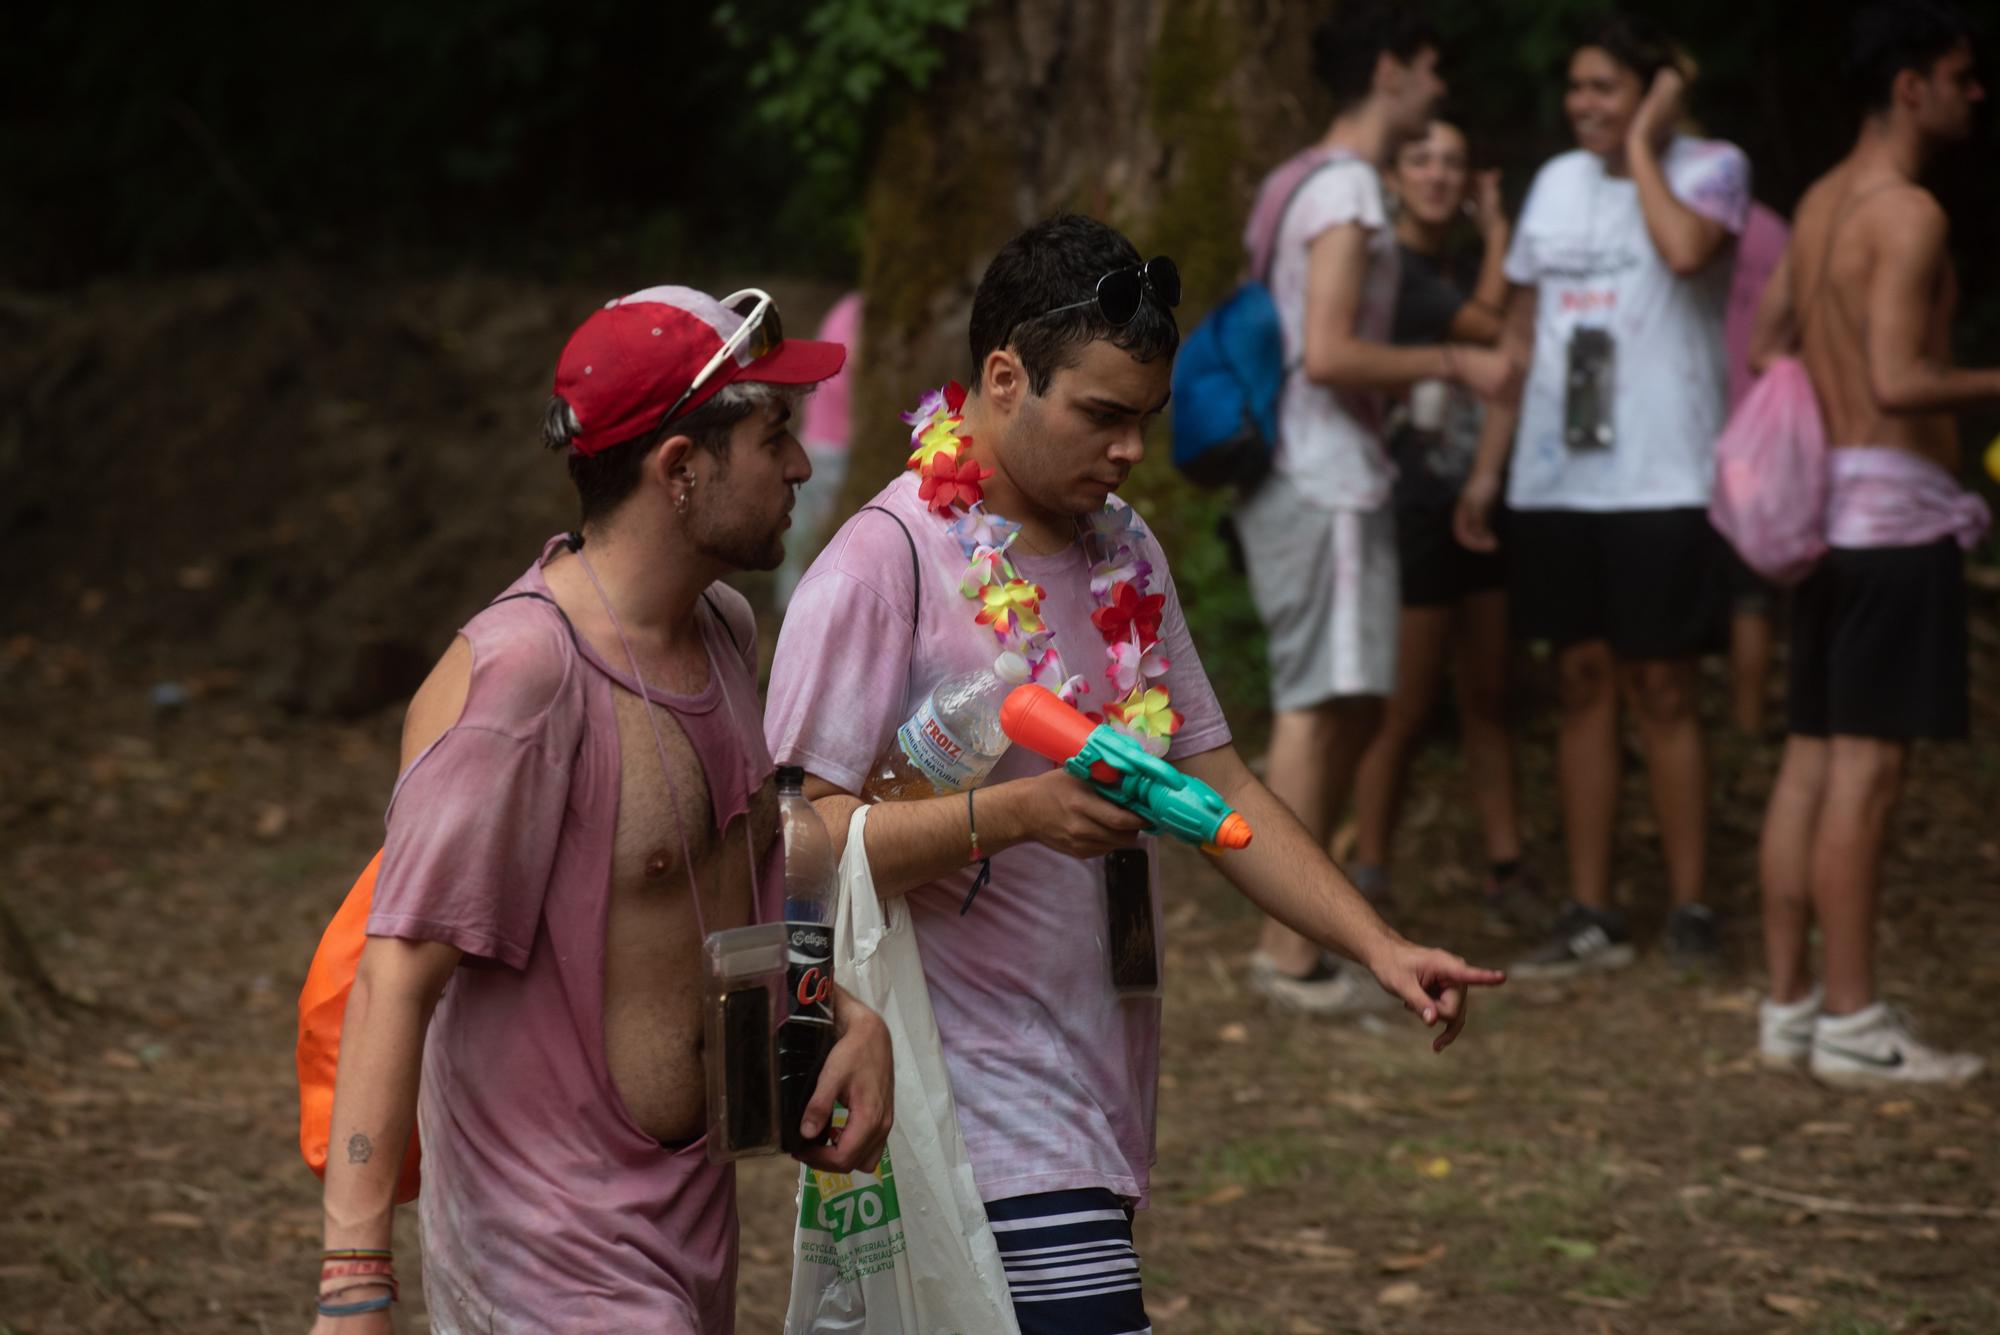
x=322, y=1007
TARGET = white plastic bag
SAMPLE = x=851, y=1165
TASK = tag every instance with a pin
x=908, y=1251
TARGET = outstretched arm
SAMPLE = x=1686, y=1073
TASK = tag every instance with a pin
x=1288, y=875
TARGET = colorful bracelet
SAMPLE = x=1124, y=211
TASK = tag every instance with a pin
x=357, y=1308
x=342, y=1269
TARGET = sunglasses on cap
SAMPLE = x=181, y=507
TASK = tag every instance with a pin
x=760, y=333
x=1119, y=292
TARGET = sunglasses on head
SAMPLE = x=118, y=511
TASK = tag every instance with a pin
x=1119, y=293
x=760, y=333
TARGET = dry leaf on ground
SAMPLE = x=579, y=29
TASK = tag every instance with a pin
x=1396, y=1265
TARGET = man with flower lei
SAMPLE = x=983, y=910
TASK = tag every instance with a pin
x=1026, y=560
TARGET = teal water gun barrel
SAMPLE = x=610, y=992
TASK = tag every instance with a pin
x=1122, y=770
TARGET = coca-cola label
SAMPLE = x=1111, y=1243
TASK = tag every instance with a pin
x=809, y=970
x=936, y=751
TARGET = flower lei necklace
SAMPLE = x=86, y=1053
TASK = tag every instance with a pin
x=1127, y=615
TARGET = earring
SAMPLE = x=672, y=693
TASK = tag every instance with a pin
x=681, y=501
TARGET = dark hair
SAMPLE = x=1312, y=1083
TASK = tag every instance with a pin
x=1899, y=35
x=1347, y=46
x=1634, y=41
x=604, y=480
x=1052, y=264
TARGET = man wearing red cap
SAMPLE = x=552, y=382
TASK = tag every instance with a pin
x=586, y=795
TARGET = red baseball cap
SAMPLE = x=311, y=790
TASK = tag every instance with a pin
x=626, y=366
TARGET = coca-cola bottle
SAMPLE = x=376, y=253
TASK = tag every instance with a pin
x=806, y=1035
x=953, y=740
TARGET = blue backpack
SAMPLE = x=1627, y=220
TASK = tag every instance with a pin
x=1227, y=378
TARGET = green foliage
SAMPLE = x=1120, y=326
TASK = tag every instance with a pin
x=820, y=80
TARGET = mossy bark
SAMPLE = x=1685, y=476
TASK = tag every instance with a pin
x=1159, y=116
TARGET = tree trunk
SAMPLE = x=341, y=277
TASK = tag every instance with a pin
x=1158, y=116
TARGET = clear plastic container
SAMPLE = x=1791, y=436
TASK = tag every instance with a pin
x=743, y=975
x=949, y=745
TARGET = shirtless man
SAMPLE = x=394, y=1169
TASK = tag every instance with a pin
x=1879, y=648
x=557, y=849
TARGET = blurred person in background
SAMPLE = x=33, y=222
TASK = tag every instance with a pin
x=1880, y=641
x=1319, y=534
x=1454, y=599
x=1753, y=600
x=827, y=435
x=1621, y=268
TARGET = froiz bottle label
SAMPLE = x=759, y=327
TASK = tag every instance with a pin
x=930, y=746
x=809, y=970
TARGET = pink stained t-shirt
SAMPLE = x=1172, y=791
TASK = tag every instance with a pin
x=1053, y=1072
x=544, y=1206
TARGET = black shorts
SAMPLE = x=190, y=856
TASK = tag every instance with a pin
x=1436, y=570
x=1880, y=645
x=1647, y=582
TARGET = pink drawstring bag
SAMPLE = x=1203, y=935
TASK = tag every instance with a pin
x=1770, y=476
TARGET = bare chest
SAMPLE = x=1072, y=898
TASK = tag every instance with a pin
x=652, y=968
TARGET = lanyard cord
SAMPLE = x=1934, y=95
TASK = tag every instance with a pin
x=660, y=746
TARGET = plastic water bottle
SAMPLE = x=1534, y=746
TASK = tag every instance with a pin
x=806, y=1035
x=953, y=740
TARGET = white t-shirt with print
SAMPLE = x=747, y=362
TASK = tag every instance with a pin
x=1582, y=243
x=1330, y=441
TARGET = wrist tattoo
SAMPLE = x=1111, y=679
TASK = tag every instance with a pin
x=360, y=1149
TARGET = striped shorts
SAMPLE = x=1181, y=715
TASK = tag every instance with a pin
x=1070, y=1265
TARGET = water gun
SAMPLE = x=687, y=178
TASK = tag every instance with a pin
x=1122, y=770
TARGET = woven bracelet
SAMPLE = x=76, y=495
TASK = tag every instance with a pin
x=356, y=1309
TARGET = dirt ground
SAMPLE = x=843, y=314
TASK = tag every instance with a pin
x=1594, y=1158
x=1600, y=1157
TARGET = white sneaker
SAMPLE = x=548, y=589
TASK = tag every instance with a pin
x=1785, y=1031
x=1874, y=1047
x=1343, y=991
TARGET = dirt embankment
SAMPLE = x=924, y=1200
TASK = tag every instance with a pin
x=295, y=482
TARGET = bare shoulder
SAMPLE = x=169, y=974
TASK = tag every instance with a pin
x=439, y=701
x=1910, y=205
x=1909, y=225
